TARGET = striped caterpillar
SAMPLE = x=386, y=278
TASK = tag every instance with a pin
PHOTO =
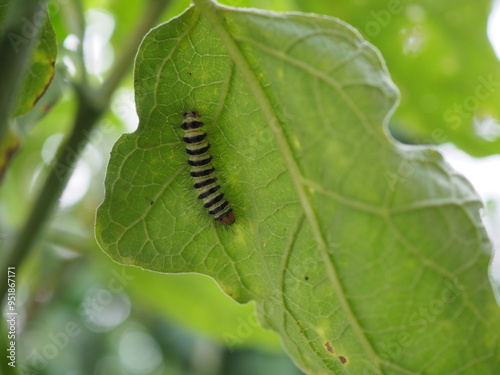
x=202, y=171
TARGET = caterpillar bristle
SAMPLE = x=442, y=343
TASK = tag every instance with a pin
x=202, y=171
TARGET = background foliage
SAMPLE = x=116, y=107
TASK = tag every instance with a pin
x=438, y=55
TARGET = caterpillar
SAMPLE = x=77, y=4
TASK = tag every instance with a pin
x=202, y=170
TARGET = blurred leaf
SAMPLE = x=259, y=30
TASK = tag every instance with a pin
x=441, y=59
x=24, y=123
x=36, y=80
x=356, y=250
x=41, y=70
x=184, y=296
x=27, y=168
x=7, y=149
x=46, y=102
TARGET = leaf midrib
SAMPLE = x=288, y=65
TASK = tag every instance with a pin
x=210, y=12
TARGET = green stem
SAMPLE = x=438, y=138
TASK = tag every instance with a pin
x=60, y=171
x=75, y=19
x=74, y=242
x=150, y=17
x=17, y=40
x=92, y=104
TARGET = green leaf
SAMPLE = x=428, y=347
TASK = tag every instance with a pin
x=8, y=148
x=34, y=80
x=446, y=93
x=40, y=72
x=222, y=320
x=59, y=84
x=41, y=67
x=365, y=256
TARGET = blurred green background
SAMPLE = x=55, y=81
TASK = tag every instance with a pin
x=80, y=313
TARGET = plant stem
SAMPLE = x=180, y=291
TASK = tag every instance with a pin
x=150, y=17
x=74, y=242
x=16, y=48
x=92, y=104
x=74, y=14
x=60, y=171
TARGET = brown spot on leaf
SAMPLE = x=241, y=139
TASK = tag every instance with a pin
x=328, y=347
x=343, y=359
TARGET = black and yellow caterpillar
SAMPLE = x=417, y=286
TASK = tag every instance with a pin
x=202, y=170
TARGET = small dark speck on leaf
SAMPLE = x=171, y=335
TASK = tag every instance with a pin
x=328, y=347
x=151, y=203
x=306, y=277
x=343, y=360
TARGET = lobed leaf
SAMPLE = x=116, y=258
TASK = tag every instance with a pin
x=365, y=256
x=447, y=95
